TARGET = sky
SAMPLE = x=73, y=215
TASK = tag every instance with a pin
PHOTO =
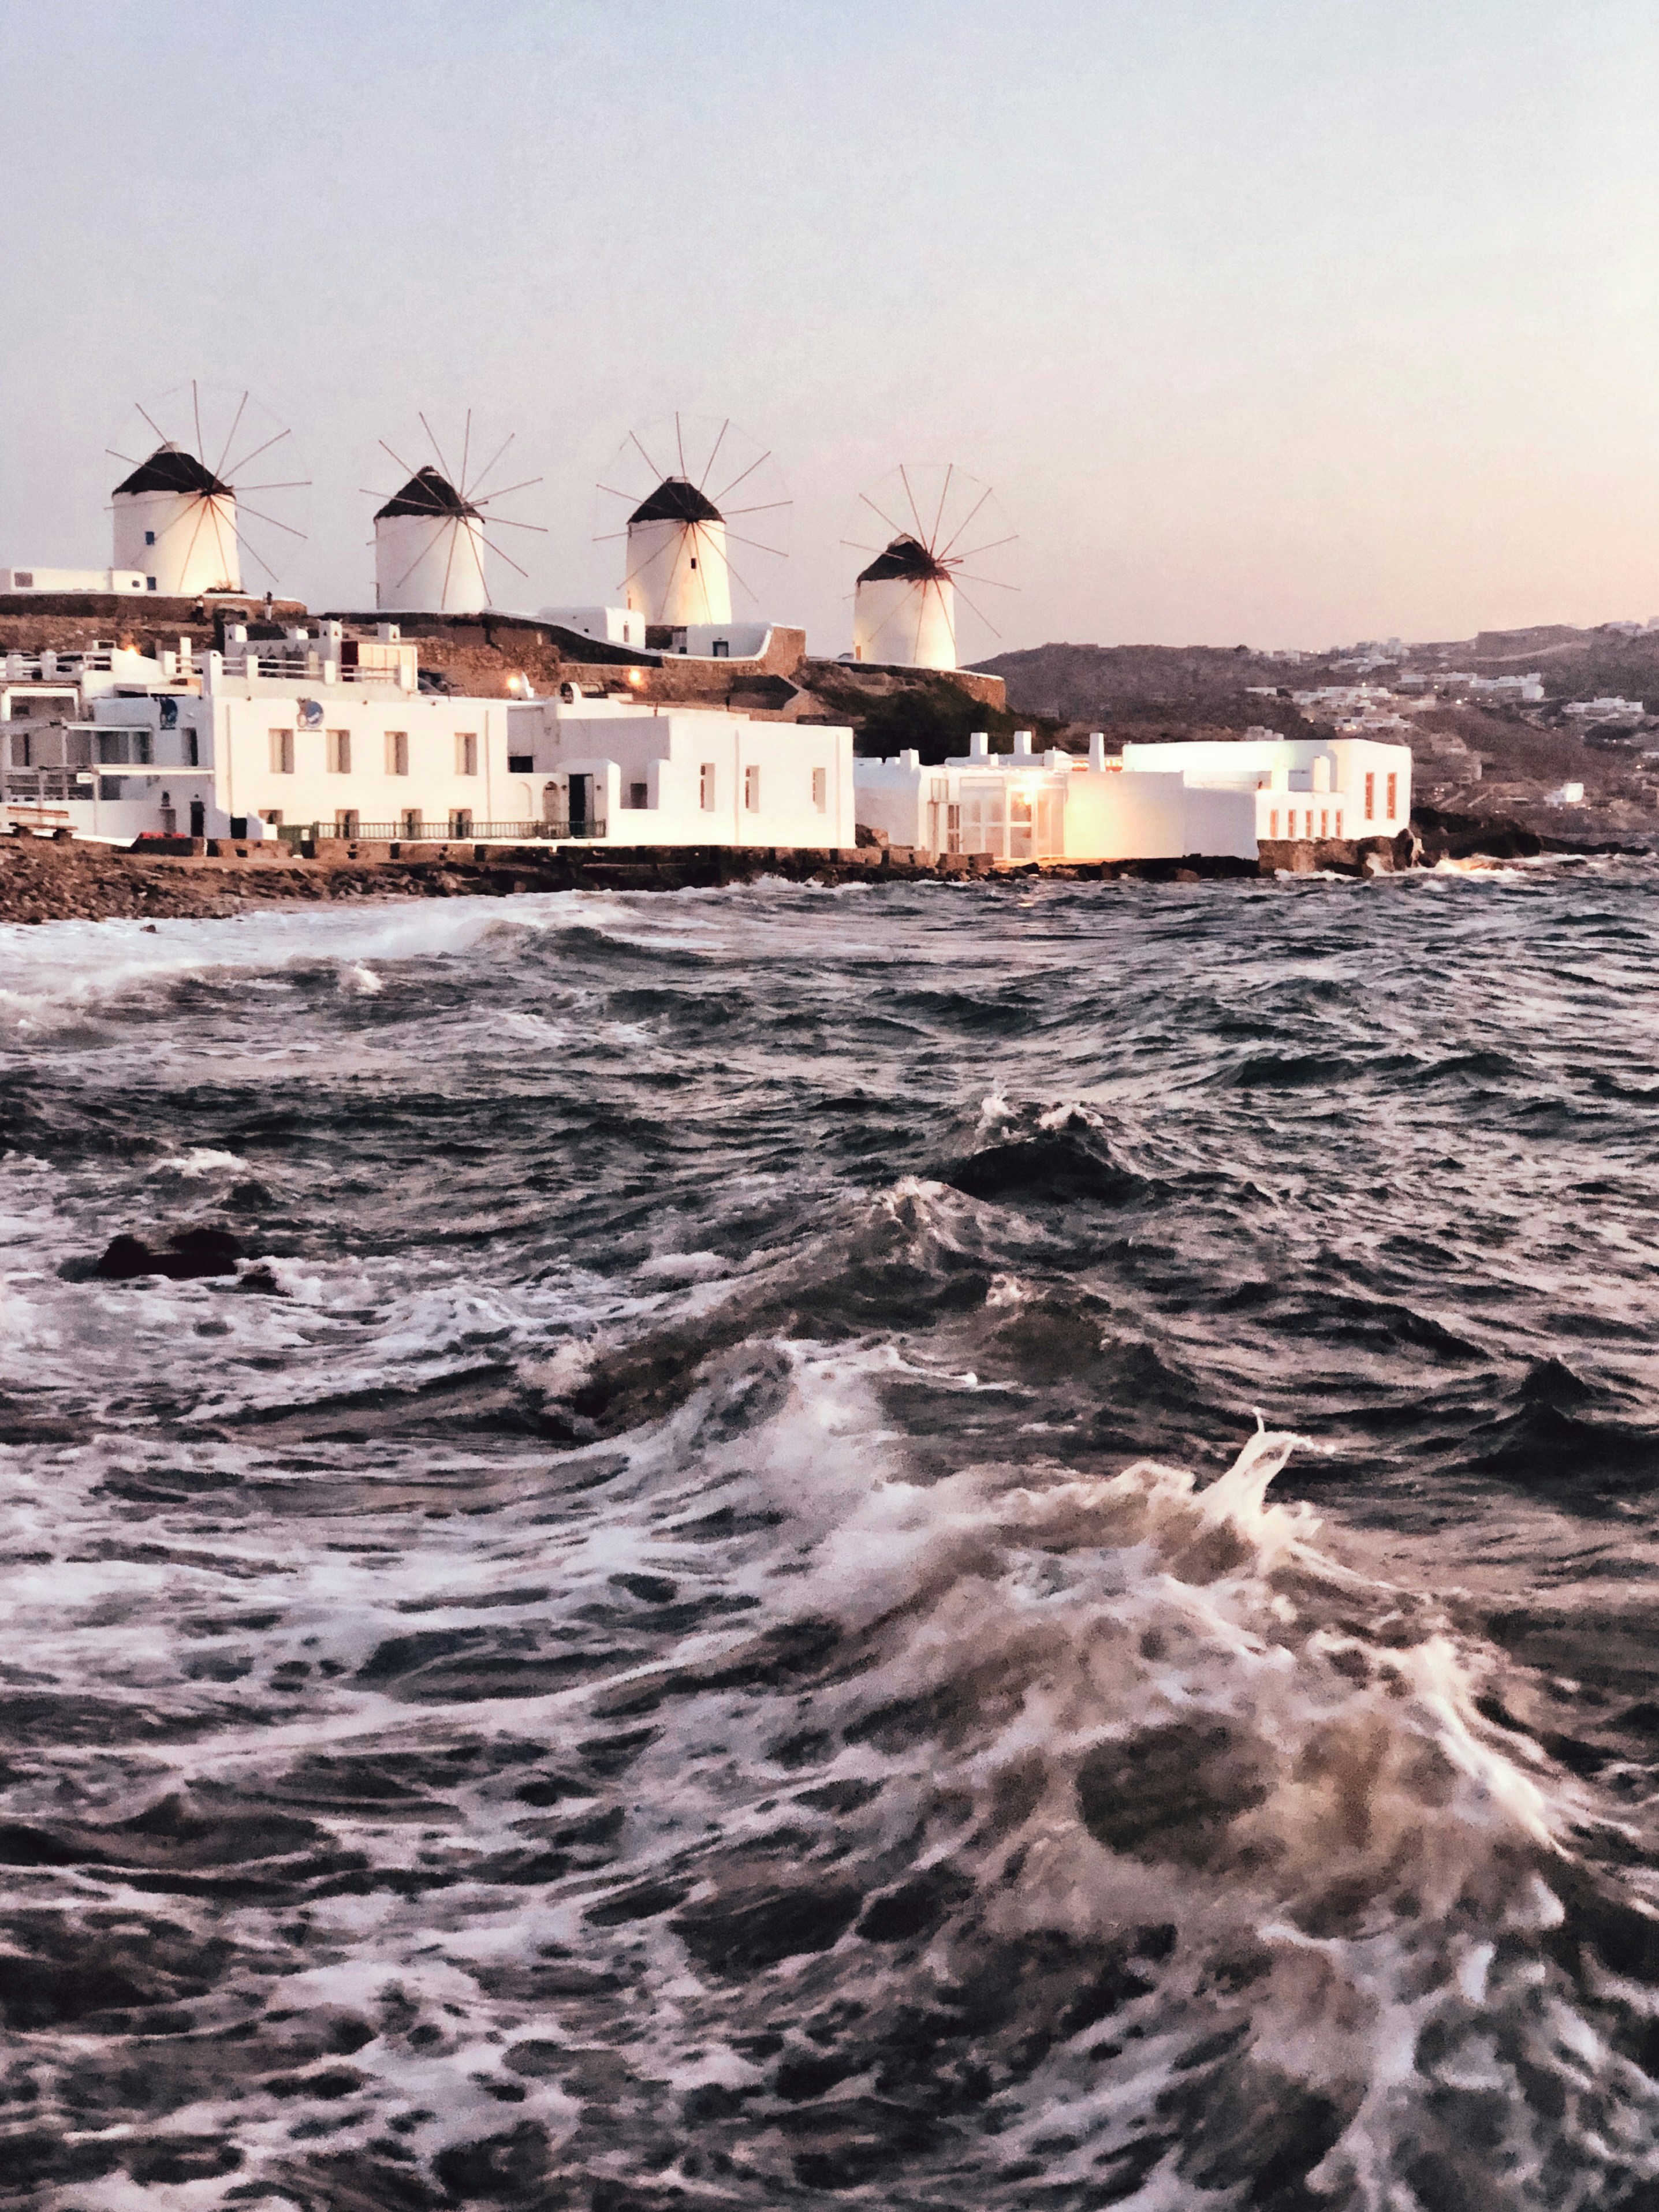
x=1285, y=322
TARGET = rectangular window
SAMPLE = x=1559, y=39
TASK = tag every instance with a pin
x=1338, y=820
x=282, y=752
x=460, y=822
x=1394, y=797
x=466, y=753
x=1324, y=822
x=721, y=649
x=339, y=752
x=521, y=764
x=1370, y=798
x=396, y=752
x=1272, y=822
x=345, y=821
x=707, y=786
x=638, y=796
x=751, y=789
x=20, y=753
x=142, y=748
x=820, y=789
x=192, y=749
x=410, y=825
x=273, y=815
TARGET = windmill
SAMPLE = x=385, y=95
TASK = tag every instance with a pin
x=922, y=524
x=182, y=520
x=431, y=537
x=668, y=497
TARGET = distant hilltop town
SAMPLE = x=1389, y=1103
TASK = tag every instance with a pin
x=1522, y=723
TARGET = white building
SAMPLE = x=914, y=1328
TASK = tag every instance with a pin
x=38, y=580
x=1523, y=690
x=1164, y=801
x=306, y=730
x=904, y=609
x=328, y=733
x=1610, y=713
x=430, y=550
x=610, y=625
x=677, y=568
x=644, y=775
x=698, y=641
x=174, y=523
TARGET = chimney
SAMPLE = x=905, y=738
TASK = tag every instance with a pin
x=1022, y=742
x=1097, y=750
x=979, y=745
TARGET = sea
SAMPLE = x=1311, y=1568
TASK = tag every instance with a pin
x=948, y=1545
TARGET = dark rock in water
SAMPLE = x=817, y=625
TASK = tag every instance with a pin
x=1063, y=1167
x=188, y=1252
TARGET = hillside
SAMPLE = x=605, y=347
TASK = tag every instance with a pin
x=1138, y=685
x=1141, y=687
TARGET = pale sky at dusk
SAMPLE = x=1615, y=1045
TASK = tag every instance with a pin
x=1291, y=321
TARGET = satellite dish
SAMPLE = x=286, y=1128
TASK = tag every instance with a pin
x=677, y=498
x=928, y=531
x=431, y=535
x=204, y=475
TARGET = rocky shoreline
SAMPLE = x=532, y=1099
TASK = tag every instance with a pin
x=44, y=880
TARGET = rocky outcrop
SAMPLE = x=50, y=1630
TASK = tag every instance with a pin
x=186, y=1253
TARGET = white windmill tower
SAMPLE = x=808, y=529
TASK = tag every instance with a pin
x=431, y=537
x=677, y=569
x=676, y=521
x=180, y=520
x=905, y=609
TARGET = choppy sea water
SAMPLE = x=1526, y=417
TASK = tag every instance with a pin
x=926, y=1546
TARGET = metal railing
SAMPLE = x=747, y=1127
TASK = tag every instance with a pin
x=306, y=664
x=25, y=786
x=454, y=833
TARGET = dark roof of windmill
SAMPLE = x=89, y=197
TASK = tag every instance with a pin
x=675, y=500
x=426, y=493
x=169, y=468
x=906, y=557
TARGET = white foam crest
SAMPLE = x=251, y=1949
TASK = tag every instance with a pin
x=64, y=969
x=201, y=1161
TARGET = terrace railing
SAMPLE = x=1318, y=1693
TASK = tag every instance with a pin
x=457, y=832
